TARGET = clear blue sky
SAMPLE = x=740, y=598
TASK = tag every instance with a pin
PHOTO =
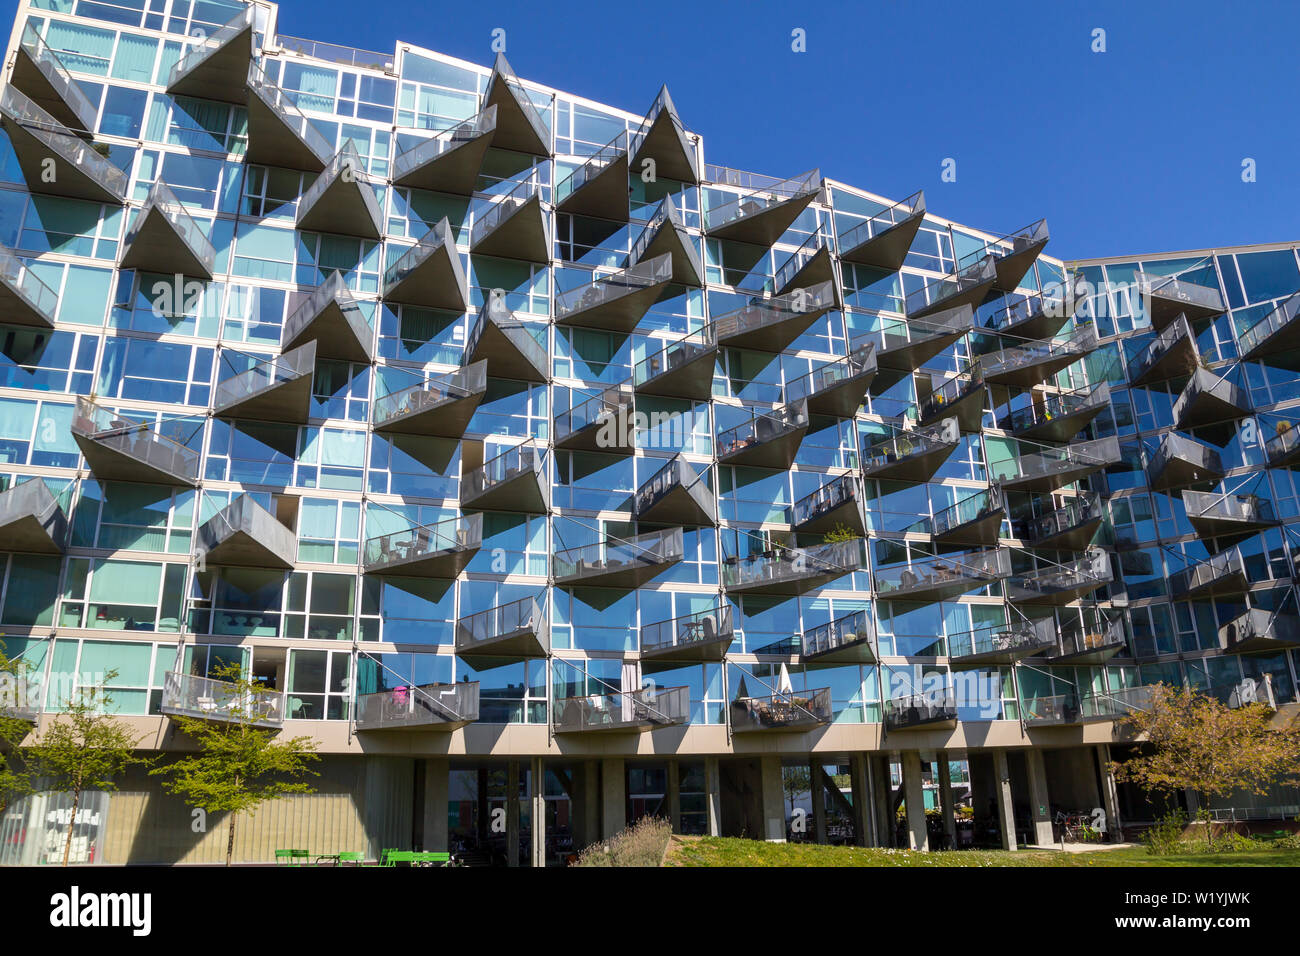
x=1138, y=149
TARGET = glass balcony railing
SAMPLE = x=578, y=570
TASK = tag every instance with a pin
x=430, y=272
x=334, y=53
x=426, y=707
x=330, y=316
x=785, y=570
x=32, y=521
x=506, y=343
x=662, y=137
x=598, y=304
x=1170, y=354
x=1283, y=449
x=906, y=345
x=912, y=455
x=25, y=298
x=1058, y=416
x=187, y=695
x=1223, y=573
x=427, y=406
x=676, y=494
x=827, y=501
x=972, y=508
x=868, y=242
x=837, y=388
x=815, y=245
x=43, y=77
x=502, y=229
x=79, y=170
x=1256, y=340
x=599, y=186
x=966, y=286
x=1034, y=362
x=265, y=378
x=436, y=164
x=129, y=443
x=291, y=117
x=772, y=195
x=918, y=711
x=244, y=534
x=620, y=562
x=681, y=369
x=966, y=384
x=1259, y=630
x=515, y=480
x=797, y=710
x=1013, y=253
x=516, y=629
x=998, y=644
x=1061, y=583
x=1076, y=513
x=1210, y=397
x=1180, y=460
x=1044, y=468
x=666, y=232
x=1166, y=297
x=851, y=638
x=704, y=635
x=197, y=65
x=441, y=549
x=1221, y=512
x=939, y=577
x=772, y=324
x=148, y=248
x=643, y=709
x=342, y=199
x=770, y=439
x=520, y=126
x=601, y=423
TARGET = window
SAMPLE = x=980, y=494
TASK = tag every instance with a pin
x=319, y=684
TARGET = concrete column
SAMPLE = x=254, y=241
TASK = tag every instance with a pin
x=613, y=791
x=674, y=796
x=883, y=798
x=538, y=811
x=1006, y=810
x=1109, y=796
x=713, y=795
x=914, y=800
x=864, y=821
x=817, y=794
x=1040, y=805
x=437, y=783
x=946, y=801
x=512, y=813
x=773, y=799
x=586, y=812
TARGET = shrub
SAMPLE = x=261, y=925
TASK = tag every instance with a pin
x=1165, y=837
x=642, y=844
x=1228, y=842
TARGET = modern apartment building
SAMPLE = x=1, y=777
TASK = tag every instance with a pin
x=548, y=475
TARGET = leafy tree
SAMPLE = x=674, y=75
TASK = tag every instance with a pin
x=795, y=781
x=1196, y=743
x=15, y=767
x=85, y=748
x=841, y=532
x=238, y=766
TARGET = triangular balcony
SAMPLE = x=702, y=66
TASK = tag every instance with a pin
x=1259, y=631
x=1283, y=449
x=767, y=440
x=515, y=480
x=1214, y=514
x=1027, y=365
x=1182, y=461
x=912, y=455
x=599, y=187
x=32, y=520
x=623, y=563
x=962, y=396
x=809, y=265
x=53, y=158
x=499, y=338
x=278, y=132
x=1274, y=336
x=1042, y=468
x=846, y=640
x=277, y=389
x=188, y=695
x=616, y=301
x=837, y=388
x=117, y=448
x=432, y=707
x=697, y=638
x=967, y=286
x=1088, y=645
x=1209, y=398
x=439, y=407
x=520, y=126
x=933, y=579
x=676, y=494
x=883, y=240
x=662, y=138
x=44, y=79
x=796, y=712
x=1059, y=584
x=439, y=550
x=936, y=710
x=836, y=503
x=508, y=632
x=1000, y=645
x=903, y=347
x=973, y=522
x=1070, y=527
x=1168, y=297
x=330, y=317
x=449, y=162
x=1057, y=416
x=632, y=711
x=762, y=216
x=1014, y=254
x=24, y=298
x=1041, y=316
x=429, y=273
x=1222, y=575
x=1171, y=354
x=792, y=571
x=681, y=369
x=517, y=226
x=244, y=534
x=342, y=199
x=164, y=238
x=771, y=325
x=605, y=422
x=216, y=68
x=666, y=233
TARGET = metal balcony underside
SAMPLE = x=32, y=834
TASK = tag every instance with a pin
x=1012, y=265
x=665, y=142
x=606, y=428
x=792, y=572
x=1182, y=461
x=155, y=245
x=523, y=233
x=1095, y=651
x=627, y=712
x=507, y=347
x=1167, y=360
x=681, y=370
x=618, y=302
x=941, y=580
x=430, y=707
x=668, y=236
x=345, y=206
x=222, y=72
x=1027, y=368
x=1275, y=339
x=1167, y=299
x=24, y=299
x=426, y=551
x=1227, y=517
x=244, y=534
x=908, y=458
x=924, y=341
x=967, y=407
x=604, y=195
x=848, y=512
x=280, y=396
x=277, y=138
x=923, y=713
x=430, y=273
x=969, y=287
x=772, y=325
x=622, y=563
x=888, y=248
x=1208, y=399
x=436, y=410
x=523, y=488
x=1210, y=579
x=1048, y=470
x=1039, y=319
x=54, y=159
x=1054, y=586
x=1074, y=535
x=703, y=649
x=42, y=76
x=1259, y=631
x=453, y=169
x=839, y=388
x=31, y=520
x=816, y=269
x=330, y=318
x=675, y=495
x=1062, y=425
x=763, y=224
x=519, y=125
x=845, y=640
x=134, y=452
x=500, y=635
x=980, y=531
x=770, y=443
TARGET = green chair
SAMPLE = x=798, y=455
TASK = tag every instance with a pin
x=290, y=857
x=349, y=857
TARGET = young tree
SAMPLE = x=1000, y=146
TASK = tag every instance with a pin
x=1196, y=743
x=85, y=748
x=238, y=766
x=841, y=532
x=15, y=768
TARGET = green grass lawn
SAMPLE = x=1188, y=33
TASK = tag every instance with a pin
x=728, y=851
